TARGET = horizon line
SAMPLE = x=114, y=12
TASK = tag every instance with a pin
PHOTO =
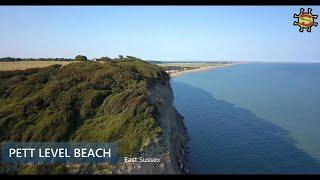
x=177, y=61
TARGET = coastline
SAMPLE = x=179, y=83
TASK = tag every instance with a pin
x=202, y=68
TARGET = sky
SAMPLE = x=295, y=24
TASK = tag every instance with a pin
x=165, y=33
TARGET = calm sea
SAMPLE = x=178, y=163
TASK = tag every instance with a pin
x=252, y=118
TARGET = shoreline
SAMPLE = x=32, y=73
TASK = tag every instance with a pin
x=203, y=68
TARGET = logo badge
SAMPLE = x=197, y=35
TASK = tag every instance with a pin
x=305, y=20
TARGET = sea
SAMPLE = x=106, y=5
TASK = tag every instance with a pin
x=253, y=118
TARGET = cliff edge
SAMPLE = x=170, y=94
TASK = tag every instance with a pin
x=171, y=146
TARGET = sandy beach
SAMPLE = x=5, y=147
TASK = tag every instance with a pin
x=202, y=68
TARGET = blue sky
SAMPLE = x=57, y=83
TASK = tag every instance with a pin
x=240, y=33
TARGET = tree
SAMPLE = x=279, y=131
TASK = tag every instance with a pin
x=81, y=58
x=132, y=57
x=104, y=59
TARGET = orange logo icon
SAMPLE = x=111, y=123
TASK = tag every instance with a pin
x=305, y=20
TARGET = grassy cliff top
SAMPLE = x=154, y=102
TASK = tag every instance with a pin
x=85, y=101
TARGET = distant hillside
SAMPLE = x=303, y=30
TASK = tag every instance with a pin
x=86, y=101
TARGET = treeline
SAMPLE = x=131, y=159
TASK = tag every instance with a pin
x=155, y=62
x=77, y=58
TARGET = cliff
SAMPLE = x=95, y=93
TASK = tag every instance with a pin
x=127, y=101
x=171, y=146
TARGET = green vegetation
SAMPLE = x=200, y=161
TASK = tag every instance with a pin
x=86, y=101
x=104, y=59
x=80, y=58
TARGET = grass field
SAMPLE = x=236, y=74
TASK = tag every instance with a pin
x=21, y=65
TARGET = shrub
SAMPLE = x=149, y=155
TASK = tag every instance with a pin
x=80, y=58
